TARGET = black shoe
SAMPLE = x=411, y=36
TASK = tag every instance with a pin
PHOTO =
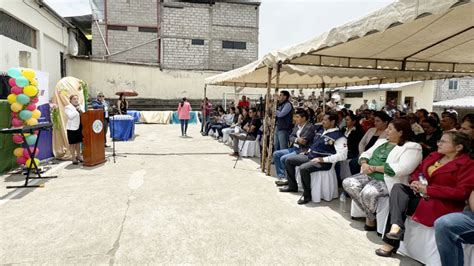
x=382, y=253
x=107, y=146
x=370, y=228
x=281, y=182
x=288, y=189
x=395, y=236
x=304, y=200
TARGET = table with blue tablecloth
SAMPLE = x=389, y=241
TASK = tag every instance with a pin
x=135, y=115
x=122, y=127
x=193, y=118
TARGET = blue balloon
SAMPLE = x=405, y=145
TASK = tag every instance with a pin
x=26, y=114
x=22, y=81
x=23, y=99
x=14, y=72
x=31, y=140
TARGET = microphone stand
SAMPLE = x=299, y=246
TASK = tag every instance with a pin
x=112, y=119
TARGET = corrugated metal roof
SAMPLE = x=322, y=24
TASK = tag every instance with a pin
x=464, y=103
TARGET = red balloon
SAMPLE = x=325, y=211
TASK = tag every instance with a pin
x=34, y=100
x=31, y=107
x=27, y=155
x=17, y=122
x=12, y=82
x=17, y=90
x=18, y=139
x=21, y=160
x=14, y=115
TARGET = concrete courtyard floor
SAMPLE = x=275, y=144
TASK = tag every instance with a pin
x=174, y=200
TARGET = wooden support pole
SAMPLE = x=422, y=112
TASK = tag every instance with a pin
x=324, y=98
x=272, y=122
x=265, y=120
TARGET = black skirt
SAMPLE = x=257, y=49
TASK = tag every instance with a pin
x=75, y=136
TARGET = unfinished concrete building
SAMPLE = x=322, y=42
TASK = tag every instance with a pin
x=177, y=34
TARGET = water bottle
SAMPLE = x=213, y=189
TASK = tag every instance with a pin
x=423, y=181
x=342, y=202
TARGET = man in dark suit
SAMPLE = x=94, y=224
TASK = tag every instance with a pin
x=300, y=140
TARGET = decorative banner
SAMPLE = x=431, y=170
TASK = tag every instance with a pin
x=23, y=104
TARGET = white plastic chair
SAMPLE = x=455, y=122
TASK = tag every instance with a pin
x=419, y=243
x=251, y=148
x=382, y=213
x=323, y=184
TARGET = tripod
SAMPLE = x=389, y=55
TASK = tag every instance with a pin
x=241, y=148
x=113, y=139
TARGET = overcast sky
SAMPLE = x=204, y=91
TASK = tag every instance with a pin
x=282, y=23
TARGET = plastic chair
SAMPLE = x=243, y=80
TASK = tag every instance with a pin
x=251, y=148
x=382, y=213
x=323, y=184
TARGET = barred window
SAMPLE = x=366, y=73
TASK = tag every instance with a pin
x=234, y=45
x=117, y=27
x=14, y=29
x=147, y=29
x=453, y=84
x=197, y=42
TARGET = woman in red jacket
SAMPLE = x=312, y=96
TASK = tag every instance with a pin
x=450, y=179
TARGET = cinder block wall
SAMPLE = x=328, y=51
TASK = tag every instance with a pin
x=181, y=22
x=465, y=88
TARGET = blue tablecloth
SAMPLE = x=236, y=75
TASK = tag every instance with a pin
x=193, y=118
x=122, y=127
x=135, y=115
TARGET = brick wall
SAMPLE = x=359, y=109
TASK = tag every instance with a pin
x=465, y=88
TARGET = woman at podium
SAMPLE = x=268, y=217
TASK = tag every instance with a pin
x=74, y=128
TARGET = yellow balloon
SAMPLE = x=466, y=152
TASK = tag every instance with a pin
x=16, y=107
x=36, y=114
x=30, y=164
x=11, y=98
x=28, y=73
x=27, y=134
x=30, y=91
x=18, y=152
x=32, y=121
x=34, y=82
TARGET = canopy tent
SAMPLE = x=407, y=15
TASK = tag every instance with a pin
x=404, y=41
x=461, y=103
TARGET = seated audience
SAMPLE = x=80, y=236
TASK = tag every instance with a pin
x=225, y=122
x=249, y=131
x=300, y=140
x=415, y=127
x=242, y=119
x=451, y=231
x=216, y=119
x=381, y=120
x=244, y=103
x=329, y=146
x=367, y=120
x=448, y=122
x=429, y=139
x=354, y=133
x=467, y=127
x=388, y=162
x=449, y=177
x=422, y=115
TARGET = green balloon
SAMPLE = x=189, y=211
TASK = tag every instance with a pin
x=31, y=140
x=25, y=114
x=22, y=81
x=23, y=99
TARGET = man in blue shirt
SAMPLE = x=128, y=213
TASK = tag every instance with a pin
x=284, y=122
x=101, y=104
x=329, y=146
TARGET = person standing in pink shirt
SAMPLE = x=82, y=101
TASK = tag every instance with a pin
x=184, y=110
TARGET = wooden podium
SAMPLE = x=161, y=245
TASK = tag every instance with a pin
x=93, y=137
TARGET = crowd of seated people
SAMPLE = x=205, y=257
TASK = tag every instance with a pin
x=389, y=157
x=389, y=154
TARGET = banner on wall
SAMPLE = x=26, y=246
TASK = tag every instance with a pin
x=43, y=87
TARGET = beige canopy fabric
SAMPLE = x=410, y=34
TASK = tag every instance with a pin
x=405, y=41
x=64, y=88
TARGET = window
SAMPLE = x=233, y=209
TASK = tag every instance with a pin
x=353, y=95
x=197, y=42
x=148, y=29
x=453, y=84
x=14, y=29
x=234, y=45
x=117, y=27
